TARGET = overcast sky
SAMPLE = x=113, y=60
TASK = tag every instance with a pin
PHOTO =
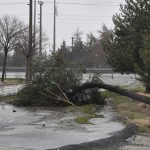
x=89, y=18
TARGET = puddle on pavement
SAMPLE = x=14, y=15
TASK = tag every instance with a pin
x=43, y=128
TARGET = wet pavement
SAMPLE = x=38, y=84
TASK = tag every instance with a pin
x=118, y=79
x=6, y=90
x=114, y=142
x=41, y=128
x=138, y=142
x=49, y=128
x=19, y=75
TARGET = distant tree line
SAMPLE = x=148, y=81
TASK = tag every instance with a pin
x=86, y=54
x=14, y=47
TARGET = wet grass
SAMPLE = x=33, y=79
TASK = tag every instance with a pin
x=138, y=89
x=11, y=81
x=136, y=112
x=82, y=120
x=86, y=119
x=87, y=108
x=7, y=99
x=88, y=112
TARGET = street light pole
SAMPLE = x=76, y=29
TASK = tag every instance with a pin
x=30, y=25
x=40, y=39
x=29, y=62
x=54, y=32
x=34, y=21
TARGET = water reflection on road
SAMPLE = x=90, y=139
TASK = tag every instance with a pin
x=41, y=128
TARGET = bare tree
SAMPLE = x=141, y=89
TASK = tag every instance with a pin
x=10, y=31
x=24, y=47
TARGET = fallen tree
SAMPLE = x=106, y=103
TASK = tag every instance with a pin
x=49, y=86
x=54, y=87
x=111, y=88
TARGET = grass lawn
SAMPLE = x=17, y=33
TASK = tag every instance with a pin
x=10, y=81
x=7, y=98
x=87, y=113
x=136, y=112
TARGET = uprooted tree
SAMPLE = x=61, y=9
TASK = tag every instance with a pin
x=55, y=84
x=111, y=88
x=52, y=80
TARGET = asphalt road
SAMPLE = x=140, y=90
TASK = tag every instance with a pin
x=112, y=143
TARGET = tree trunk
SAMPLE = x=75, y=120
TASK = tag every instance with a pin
x=147, y=84
x=4, y=68
x=29, y=69
x=147, y=90
x=115, y=89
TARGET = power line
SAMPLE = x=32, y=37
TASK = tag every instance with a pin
x=13, y=3
x=87, y=21
x=70, y=17
x=80, y=16
x=85, y=4
x=73, y=21
x=64, y=3
x=98, y=22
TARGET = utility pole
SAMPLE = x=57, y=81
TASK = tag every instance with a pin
x=30, y=25
x=29, y=63
x=40, y=39
x=34, y=22
x=54, y=32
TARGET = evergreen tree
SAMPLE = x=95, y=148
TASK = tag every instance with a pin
x=87, y=54
x=130, y=51
x=77, y=50
x=64, y=52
